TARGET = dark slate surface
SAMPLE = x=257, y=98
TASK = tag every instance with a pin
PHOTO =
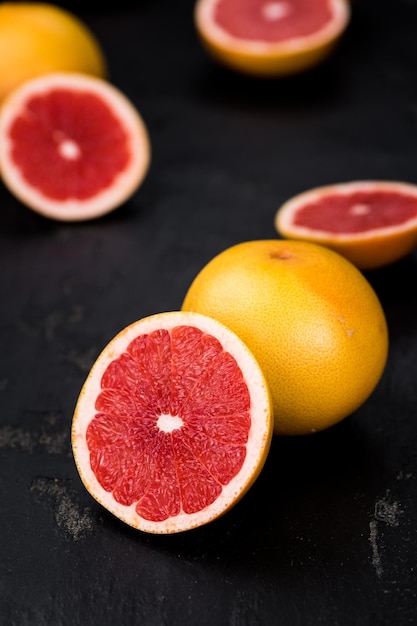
x=327, y=536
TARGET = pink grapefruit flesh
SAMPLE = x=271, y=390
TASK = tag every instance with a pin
x=271, y=37
x=272, y=21
x=173, y=423
x=372, y=223
x=72, y=147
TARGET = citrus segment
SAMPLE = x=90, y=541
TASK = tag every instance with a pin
x=268, y=37
x=173, y=423
x=372, y=223
x=72, y=146
x=38, y=38
x=311, y=319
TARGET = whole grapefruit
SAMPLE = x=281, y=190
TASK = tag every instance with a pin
x=37, y=38
x=311, y=319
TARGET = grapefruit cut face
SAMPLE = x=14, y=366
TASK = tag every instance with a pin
x=72, y=146
x=271, y=37
x=173, y=423
x=372, y=223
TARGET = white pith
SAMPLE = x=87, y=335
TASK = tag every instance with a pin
x=273, y=11
x=259, y=435
x=121, y=189
x=204, y=16
x=286, y=214
x=169, y=423
x=69, y=149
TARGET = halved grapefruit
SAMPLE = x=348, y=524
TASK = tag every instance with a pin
x=271, y=37
x=371, y=223
x=72, y=146
x=173, y=423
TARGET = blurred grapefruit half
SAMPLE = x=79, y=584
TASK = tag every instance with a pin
x=371, y=223
x=173, y=423
x=72, y=146
x=271, y=37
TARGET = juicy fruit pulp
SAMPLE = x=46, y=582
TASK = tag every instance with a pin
x=272, y=21
x=271, y=38
x=28, y=137
x=38, y=38
x=357, y=213
x=173, y=423
x=311, y=319
x=372, y=223
x=72, y=146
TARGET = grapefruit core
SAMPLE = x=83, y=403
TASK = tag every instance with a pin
x=72, y=146
x=371, y=223
x=271, y=37
x=173, y=423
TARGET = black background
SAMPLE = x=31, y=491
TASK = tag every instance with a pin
x=327, y=535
